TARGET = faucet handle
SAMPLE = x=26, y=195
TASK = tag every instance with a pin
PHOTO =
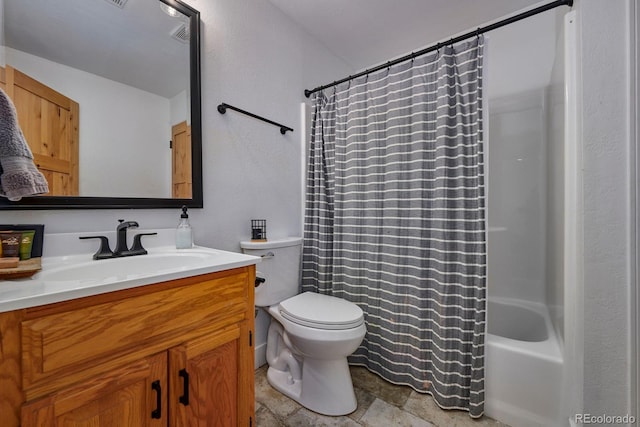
x=104, y=251
x=137, y=248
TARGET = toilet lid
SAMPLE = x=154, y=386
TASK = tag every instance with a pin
x=321, y=311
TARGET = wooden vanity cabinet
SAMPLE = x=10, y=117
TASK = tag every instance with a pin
x=176, y=353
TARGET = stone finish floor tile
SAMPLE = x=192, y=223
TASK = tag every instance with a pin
x=306, y=418
x=383, y=414
x=379, y=404
x=276, y=402
x=364, y=399
x=265, y=418
x=423, y=406
x=394, y=394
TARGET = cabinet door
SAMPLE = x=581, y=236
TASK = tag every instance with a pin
x=204, y=381
x=134, y=395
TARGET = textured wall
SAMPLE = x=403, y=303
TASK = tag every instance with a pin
x=607, y=149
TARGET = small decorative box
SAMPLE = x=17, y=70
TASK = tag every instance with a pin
x=258, y=230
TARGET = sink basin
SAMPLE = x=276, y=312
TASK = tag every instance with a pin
x=165, y=263
x=69, y=274
x=126, y=267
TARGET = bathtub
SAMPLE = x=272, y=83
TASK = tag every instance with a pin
x=523, y=365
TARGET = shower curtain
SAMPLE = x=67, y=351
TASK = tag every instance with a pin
x=395, y=219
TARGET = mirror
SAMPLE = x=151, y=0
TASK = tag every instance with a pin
x=108, y=97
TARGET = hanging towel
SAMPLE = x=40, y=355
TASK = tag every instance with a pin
x=19, y=177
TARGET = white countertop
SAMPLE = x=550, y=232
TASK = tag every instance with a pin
x=67, y=275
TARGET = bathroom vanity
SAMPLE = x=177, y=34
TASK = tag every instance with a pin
x=132, y=351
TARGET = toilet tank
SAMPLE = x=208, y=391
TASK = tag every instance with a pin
x=280, y=267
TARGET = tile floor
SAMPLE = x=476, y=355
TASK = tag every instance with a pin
x=380, y=404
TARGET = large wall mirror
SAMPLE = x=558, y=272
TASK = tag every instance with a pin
x=108, y=98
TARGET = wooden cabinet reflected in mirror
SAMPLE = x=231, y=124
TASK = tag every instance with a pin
x=108, y=97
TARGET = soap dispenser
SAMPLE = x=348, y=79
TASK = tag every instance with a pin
x=184, y=234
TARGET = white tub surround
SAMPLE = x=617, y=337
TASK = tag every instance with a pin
x=523, y=364
x=69, y=272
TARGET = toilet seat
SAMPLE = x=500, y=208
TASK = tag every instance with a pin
x=321, y=311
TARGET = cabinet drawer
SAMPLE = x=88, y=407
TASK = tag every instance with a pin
x=59, y=342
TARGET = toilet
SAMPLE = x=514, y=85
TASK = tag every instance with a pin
x=310, y=335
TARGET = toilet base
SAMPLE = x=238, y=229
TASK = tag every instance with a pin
x=325, y=387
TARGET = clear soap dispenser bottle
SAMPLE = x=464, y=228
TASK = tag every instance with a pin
x=184, y=234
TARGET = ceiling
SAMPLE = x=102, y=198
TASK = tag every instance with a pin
x=135, y=41
x=364, y=33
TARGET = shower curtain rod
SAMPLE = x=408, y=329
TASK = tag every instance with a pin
x=437, y=46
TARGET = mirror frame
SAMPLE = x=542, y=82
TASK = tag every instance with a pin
x=80, y=202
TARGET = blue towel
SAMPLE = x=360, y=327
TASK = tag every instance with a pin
x=19, y=177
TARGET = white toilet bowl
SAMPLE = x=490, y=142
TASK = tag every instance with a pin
x=309, y=340
x=310, y=335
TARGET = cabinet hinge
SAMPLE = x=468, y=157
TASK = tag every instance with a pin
x=250, y=421
x=170, y=144
x=250, y=339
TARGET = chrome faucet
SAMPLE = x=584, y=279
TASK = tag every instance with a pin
x=122, y=249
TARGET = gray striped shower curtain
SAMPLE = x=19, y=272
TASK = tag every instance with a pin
x=395, y=219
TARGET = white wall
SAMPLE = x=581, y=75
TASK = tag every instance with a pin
x=635, y=271
x=258, y=60
x=607, y=148
x=111, y=116
x=180, y=106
